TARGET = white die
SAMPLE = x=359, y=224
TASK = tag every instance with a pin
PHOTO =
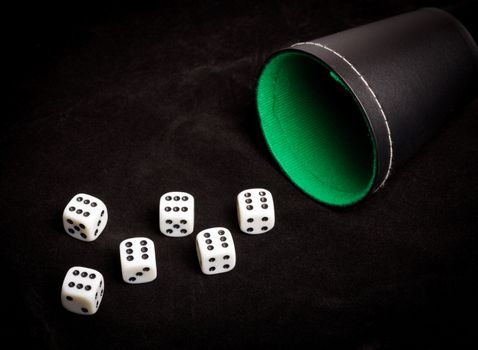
x=176, y=214
x=215, y=250
x=85, y=217
x=138, y=260
x=255, y=210
x=82, y=290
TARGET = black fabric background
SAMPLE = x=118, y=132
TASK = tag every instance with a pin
x=128, y=102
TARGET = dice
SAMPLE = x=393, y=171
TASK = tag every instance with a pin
x=85, y=217
x=82, y=290
x=138, y=260
x=176, y=214
x=215, y=250
x=255, y=210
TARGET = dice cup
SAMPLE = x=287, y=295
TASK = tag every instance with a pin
x=342, y=112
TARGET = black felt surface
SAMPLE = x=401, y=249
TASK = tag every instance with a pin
x=126, y=103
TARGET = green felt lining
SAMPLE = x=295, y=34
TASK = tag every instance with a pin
x=316, y=129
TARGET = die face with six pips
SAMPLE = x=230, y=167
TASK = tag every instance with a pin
x=176, y=214
x=255, y=211
x=216, y=251
x=82, y=290
x=138, y=260
x=85, y=217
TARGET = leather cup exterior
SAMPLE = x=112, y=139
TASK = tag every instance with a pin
x=407, y=75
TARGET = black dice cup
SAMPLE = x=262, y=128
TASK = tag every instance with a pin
x=341, y=113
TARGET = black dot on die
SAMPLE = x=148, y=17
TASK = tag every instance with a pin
x=146, y=269
x=208, y=241
x=84, y=274
x=99, y=223
x=129, y=258
x=102, y=291
x=139, y=274
x=176, y=226
x=129, y=251
x=69, y=298
x=264, y=206
x=144, y=249
x=77, y=228
x=184, y=231
x=92, y=276
x=97, y=303
x=168, y=198
x=264, y=228
x=87, y=287
x=71, y=284
x=87, y=201
x=212, y=260
x=221, y=232
x=143, y=242
x=96, y=295
x=79, y=286
x=69, y=221
x=167, y=209
x=79, y=199
x=212, y=268
x=169, y=222
x=76, y=273
x=262, y=193
x=82, y=226
x=71, y=208
x=169, y=230
x=102, y=213
x=226, y=257
x=128, y=244
x=225, y=245
x=250, y=220
x=176, y=209
x=145, y=256
x=132, y=279
x=79, y=211
x=248, y=200
x=184, y=222
x=86, y=214
x=185, y=198
x=184, y=209
x=247, y=194
x=83, y=235
x=94, y=204
x=263, y=199
x=250, y=229
x=249, y=207
x=207, y=235
x=226, y=266
x=210, y=247
x=265, y=218
x=223, y=239
x=176, y=198
x=71, y=230
x=96, y=232
x=84, y=310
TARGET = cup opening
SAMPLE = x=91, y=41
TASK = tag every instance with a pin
x=316, y=128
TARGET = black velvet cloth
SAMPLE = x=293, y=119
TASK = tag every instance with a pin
x=129, y=102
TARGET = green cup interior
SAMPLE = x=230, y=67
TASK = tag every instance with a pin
x=316, y=129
